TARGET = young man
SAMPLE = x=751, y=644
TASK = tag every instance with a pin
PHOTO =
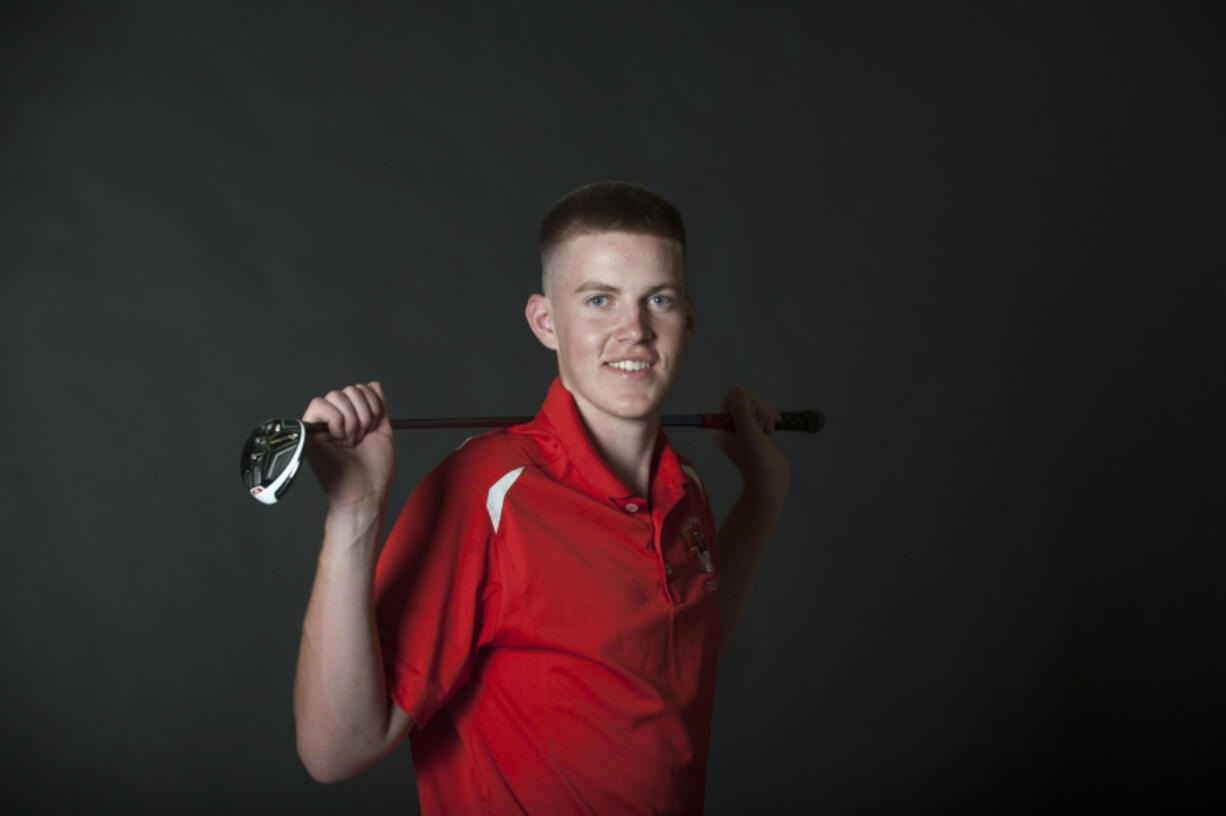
x=549, y=608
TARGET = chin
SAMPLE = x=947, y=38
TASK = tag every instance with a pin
x=636, y=409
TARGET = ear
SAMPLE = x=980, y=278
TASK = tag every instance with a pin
x=541, y=321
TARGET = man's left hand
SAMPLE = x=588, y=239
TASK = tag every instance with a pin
x=762, y=465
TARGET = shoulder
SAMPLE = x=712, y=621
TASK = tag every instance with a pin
x=469, y=485
x=483, y=461
x=487, y=469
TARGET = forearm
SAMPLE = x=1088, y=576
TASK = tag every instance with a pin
x=743, y=541
x=341, y=706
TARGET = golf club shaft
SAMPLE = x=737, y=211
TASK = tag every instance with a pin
x=810, y=421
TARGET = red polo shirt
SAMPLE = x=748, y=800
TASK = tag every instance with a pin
x=553, y=636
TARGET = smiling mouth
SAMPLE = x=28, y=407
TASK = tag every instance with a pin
x=630, y=365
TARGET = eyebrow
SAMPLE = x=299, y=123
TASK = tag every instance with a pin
x=597, y=286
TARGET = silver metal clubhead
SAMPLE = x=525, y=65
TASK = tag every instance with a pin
x=271, y=457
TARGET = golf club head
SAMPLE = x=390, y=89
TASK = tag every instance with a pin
x=271, y=456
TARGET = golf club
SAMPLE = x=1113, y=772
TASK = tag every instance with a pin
x=273, y=451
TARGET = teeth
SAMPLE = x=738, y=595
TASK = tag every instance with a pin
x=630, y=365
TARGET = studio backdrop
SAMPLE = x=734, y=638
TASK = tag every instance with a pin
x=983, y=239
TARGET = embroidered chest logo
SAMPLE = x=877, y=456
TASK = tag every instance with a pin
x=692, y=531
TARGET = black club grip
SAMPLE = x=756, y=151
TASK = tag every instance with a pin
x=808, y=421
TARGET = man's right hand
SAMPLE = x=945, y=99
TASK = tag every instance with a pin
x=355, y=462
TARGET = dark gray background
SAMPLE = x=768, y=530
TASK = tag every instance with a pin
x=984, y=240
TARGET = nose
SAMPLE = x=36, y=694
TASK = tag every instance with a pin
x=636, y=327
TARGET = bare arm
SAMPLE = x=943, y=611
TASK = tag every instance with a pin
x=345, y=720
x=747, y=531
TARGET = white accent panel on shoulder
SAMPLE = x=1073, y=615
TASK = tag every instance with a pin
x=498, y=493
x=693, y=474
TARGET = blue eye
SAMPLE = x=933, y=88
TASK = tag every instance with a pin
x=662, y=300
x=597, y=300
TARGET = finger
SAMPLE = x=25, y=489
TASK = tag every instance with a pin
x=767, y=416
x=746, y=414
x=320, y=410
x=377, y=406
x=361, y=409
x=737, y=401
x=764, y=420
x=374, y=398
x=349, y=416
x=378, y=403
x=756, y=411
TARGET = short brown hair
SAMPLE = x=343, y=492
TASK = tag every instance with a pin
x=608, y=206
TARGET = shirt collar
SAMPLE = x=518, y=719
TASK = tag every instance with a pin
x=561, y=416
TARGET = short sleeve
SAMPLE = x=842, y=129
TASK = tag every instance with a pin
x=437, y=593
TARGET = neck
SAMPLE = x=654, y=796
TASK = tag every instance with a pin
x=626, y=445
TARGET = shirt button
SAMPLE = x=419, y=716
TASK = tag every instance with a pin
x=668, y=569
x=631, y=507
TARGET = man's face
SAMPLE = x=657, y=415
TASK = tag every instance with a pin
x=620, y=320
